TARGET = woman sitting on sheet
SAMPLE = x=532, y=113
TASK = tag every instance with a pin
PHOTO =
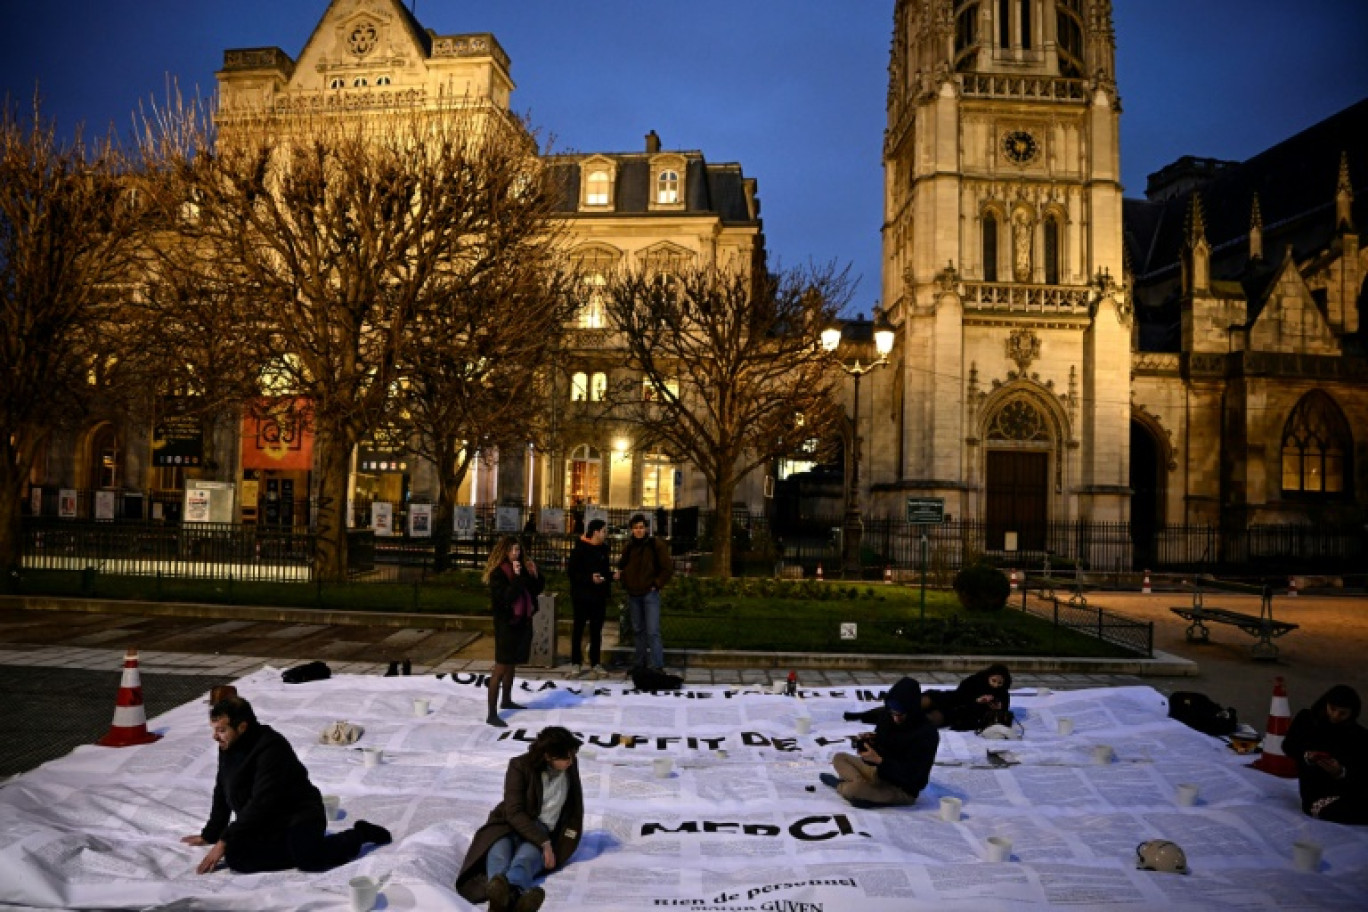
x=536, y=827
x=1330, y=749
x=966, y=707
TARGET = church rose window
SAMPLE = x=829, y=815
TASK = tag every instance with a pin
x=1018, y=420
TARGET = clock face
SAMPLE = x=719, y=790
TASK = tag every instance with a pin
x=1020, y=146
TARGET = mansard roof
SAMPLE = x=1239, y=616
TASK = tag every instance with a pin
x=1295, y=181
x=718, y=190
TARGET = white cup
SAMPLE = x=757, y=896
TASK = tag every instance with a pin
x=804, y=724
x=999, y=848
x=720, y=753
x=1102, y=754
x=662, y=766
x=363, y=893
x=1186, y=795
x=1065, y=726
x=373, y=755
x=330, y=805
x=420, y=707
x=1306, y=856
x=950, y=807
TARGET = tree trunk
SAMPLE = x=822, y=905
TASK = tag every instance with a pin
x=722, y=526
x=330, y=526
x=11, y=529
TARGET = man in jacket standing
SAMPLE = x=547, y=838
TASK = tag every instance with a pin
x=644, y=569
x=277, y=814
x=589, y=571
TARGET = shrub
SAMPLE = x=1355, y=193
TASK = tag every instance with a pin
x=982, y=587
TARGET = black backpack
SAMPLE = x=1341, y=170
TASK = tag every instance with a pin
x=1197, y=710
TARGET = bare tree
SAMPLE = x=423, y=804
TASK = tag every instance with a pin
x=344, y=232
x=732, y=371
x=66, y=217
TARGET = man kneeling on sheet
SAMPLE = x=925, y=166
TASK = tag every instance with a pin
x=279, y=818
x=895, y=759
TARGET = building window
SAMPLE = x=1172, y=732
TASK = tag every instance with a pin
x=336, y=82
x=359, y=82
x=597, y=187
x=382, y=80
x=1026, y=24
x=1004, y=24
x=582, y=475
x=579, y=387
x=653, y=392
x=591, y=312
x=657, y=480
x=598, y=386
x=990, y=247
x=1069, y=38
x=1051, y=250
x=966, y=35
x=667, y=187
x=587, y=387
x=1315, y=447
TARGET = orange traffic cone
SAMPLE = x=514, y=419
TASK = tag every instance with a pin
x=1012, y=579
x=130, y=719
x=819, y=571
x=1274, y=761
x=888, y=573
x=1291, y=587
x=1145, y=588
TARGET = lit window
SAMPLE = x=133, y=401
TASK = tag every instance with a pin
x=665, y=390
x=667, y=187
x=579, y=387
x=657, y=480
x=591, y=312
x=582, y=473
x=1315, y=447
x=598, y=387
x=596, y=189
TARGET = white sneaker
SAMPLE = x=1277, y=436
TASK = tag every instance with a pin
x=599, y=672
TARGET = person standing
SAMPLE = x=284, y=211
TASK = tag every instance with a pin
x=644, y=569
x=514, y=585
x=266, y=814
x=1330, y=749
x=536, y=827
x=895, y=760
x=589, y=569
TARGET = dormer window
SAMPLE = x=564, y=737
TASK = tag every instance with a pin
x=667, y=181
x=597, y=177
x=667, y=187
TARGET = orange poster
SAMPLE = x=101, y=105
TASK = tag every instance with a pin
x=276, y=435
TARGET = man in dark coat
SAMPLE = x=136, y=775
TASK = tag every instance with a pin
x=590, y=573
x=895, y=760
x=644, y=569
x=277, y=818
x=536, y=828
x=1330, y=749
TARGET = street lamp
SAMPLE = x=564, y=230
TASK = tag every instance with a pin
x=853, y=528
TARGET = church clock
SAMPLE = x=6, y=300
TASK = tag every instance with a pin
x=1020, y=146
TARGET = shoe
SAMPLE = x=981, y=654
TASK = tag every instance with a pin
x=495, y=721
x=509, y=704
x=393, y=670
x=830, y=779
x=599, y=672
x=576, y=671
x=500, y=894
x=530, y=901
x=373, y=833
x=408, y=668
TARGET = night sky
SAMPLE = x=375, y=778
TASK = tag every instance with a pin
x=794, y=90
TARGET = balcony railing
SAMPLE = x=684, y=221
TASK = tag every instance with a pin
x=1024, y=298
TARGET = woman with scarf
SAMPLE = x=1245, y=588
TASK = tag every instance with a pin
x=1330, y=749
x=514, y=585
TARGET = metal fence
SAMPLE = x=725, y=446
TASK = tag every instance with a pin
x=1063, y=603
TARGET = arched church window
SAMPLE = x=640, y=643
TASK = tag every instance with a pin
x=1019, y=420
x=990, y=247
x=966, y=34
x=1026, y=24
x=1004, y=24
x=1316, y=444
x=1069, y=35
x=1052, y=250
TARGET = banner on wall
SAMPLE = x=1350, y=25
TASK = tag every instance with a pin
x=420, y=521
x=551, y=521
x=66, y=503
x=508, y=519
x=382, y=517
x=276, y=435
x=104, y=504
x=463, y=523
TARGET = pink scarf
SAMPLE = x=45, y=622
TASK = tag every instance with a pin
x=523, y=607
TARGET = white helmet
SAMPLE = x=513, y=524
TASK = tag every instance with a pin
x=1161, y=855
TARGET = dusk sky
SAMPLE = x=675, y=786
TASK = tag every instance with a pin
x=794, y=90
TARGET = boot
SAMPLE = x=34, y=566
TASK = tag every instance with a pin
x=393, y=670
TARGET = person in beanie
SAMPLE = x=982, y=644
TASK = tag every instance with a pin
x=644, y=569
x=590, y=574
x=266, y=814
x=966, y=707
x=536, y=827
x=1330, y=749
x=894, y=762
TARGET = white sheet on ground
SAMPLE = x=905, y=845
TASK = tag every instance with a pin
x=741, y=823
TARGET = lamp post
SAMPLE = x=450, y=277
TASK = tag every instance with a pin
x=853, y=526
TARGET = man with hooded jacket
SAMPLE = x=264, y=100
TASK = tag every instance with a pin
x=895, y=760
x=1330, y=749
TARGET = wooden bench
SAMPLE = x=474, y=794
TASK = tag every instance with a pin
x=1264, y=626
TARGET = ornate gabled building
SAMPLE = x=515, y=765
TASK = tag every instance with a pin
x=1003, y=265
x=1251, y=384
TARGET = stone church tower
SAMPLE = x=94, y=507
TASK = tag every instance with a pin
x=1008, y=394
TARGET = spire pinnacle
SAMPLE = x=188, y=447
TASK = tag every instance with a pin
x=1255, y=230
x=1344, y=197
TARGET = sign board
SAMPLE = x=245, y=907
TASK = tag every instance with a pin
x=177, y=441
x=66, y=503
x=551, y=521
x=848, y=631
x=925, y=510
x=382, y=517
x=463, y=523
x=104, y=504
x=1009, y=541
x=594, y=512
x=508, y=519
x=209, y=501
x=420, y=521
